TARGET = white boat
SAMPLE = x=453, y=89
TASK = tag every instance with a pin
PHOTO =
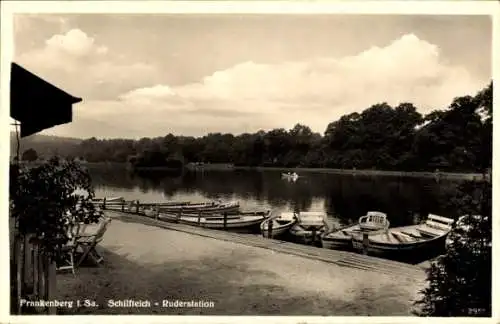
x=309, y=227
x=430, y=235
x=342, y=239
x=213, y=206
x=373, y=220
x=280, y=225
x=233, y=222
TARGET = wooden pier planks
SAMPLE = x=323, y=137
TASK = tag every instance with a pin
x=341, y=258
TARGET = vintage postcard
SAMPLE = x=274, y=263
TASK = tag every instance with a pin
x=310, y=161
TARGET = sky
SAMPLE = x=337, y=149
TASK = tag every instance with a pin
x=191, y=74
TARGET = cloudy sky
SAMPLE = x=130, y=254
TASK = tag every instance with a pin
x=149, y=75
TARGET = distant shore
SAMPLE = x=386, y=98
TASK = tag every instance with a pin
x=402, y=174
x=354, y=172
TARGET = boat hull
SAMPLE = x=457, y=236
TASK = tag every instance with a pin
x=307, y=236
x=341, y=239
x=336, y=243
x=238, y=223
x=278, y=230
x=193, y=209
x=402, y=250
x=381, y=249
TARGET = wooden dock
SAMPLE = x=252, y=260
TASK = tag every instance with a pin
x=341, y=258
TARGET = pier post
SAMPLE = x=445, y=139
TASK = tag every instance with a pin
x=123, y=205
x=225, y=220
x=157, y=209
x=365, y=243
x=199, y=217
x=270, y=229
x=313, y=236
x=104, y=203
x=179, y=215
x=137, y=207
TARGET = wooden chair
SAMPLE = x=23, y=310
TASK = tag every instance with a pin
x=69, y=250
x=88, y=243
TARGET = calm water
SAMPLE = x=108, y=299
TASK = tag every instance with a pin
x=343, y=198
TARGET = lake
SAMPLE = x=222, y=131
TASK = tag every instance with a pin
x=343, y=197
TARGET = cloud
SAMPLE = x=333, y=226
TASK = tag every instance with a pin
x=314, y=92
x=86, y=68
x=75, y=42
x=251, y=96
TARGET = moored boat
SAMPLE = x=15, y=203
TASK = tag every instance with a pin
x=290, y=176
x=342, y=238
x=309, y=227
x=213, y=207
x=275, y=227
x=236, y=222
x=428, y=236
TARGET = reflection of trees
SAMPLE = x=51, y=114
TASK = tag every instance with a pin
x=113, y=176
x=351, y=197
x=346, y=197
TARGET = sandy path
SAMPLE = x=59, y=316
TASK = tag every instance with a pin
x=146, y=262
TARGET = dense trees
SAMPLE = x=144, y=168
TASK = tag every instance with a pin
x=459, y=282
x=30, y=155
x=458, y=138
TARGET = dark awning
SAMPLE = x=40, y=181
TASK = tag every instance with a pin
x=36, y=103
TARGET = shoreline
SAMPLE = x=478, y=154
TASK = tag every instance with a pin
x=402, y=174
x=462, y=176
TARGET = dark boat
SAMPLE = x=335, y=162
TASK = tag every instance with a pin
x=407, y=239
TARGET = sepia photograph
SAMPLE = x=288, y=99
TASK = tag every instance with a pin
x=252, y=163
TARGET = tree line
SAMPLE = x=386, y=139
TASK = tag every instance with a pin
x=458, y=138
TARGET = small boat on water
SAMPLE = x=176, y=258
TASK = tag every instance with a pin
x=428, y=236
x=372, y=222
x=278, y=226
x=238, y=222
x=290, y=176
x=309, y=227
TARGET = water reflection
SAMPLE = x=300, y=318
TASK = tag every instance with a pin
x=345, y=198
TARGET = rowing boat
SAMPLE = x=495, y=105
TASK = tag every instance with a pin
x=342, y=238
x=278, y=226
x=428, y=236
x=235, y=222
x=309, y=227
x=212, y=207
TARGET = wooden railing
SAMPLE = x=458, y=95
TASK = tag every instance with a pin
x=33, y=275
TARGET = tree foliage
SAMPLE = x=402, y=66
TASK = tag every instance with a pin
x=459, y=282
x=46, y=199
x=30, y=155
x=457, y=138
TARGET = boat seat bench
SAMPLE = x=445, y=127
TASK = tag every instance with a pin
x=418, y=236
x=429, y=231
x=402, y=237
